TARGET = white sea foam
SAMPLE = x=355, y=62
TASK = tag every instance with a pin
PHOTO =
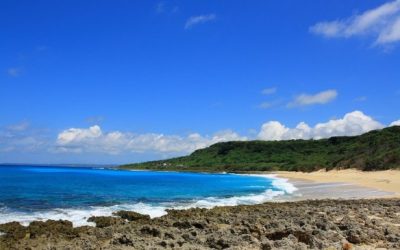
x=79, y=216
x=279, y=183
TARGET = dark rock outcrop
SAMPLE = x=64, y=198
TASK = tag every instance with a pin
x=313, y=224
x=131, y=216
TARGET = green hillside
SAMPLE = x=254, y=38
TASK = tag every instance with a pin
x=375, y=150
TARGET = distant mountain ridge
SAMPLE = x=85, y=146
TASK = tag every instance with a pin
x=375, y=150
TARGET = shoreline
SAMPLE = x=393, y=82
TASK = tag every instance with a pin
x=293, y=187
x=330, y=212
x=319, y=187
x=380, y=184
x=280, y=187
x=307, y=224
x=385, y=181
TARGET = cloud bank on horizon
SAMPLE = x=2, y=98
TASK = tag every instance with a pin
x=95, y=140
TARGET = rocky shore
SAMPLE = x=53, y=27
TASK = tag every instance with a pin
x=312, y=224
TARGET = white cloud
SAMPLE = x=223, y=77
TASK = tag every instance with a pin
x=395, y=123
x=194, y=20
x=19, y=126
x=311, y=99
x=269, y=91
x=354, y=123
x=93, y=139
x=391, y=33
x=382, y=22
x=272, y=131
x=20, y=137
x=328, y=29
x=78, y=134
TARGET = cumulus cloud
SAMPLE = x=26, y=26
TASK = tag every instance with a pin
x=311, y=99
x=22, y=138
x=195, y=20
x=93, y=139
x=353, y=123
x=382, y=22
x=395, y=123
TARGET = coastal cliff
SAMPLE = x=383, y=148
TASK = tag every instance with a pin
x=375, y=150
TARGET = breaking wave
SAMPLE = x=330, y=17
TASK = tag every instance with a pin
x=79, y=216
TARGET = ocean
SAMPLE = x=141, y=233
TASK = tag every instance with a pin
x=29, y=193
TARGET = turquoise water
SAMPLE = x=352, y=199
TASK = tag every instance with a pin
x=34, y=192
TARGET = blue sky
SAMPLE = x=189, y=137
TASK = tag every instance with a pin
x=123, y=81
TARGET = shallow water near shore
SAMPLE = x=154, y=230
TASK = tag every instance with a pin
x=39, y=193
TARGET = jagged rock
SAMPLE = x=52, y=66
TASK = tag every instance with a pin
x=182, y=224
x=52, y=227
x=169, y=236
x=122, y=240
x=13, y=230
x=317, y=224
x=266, y=245
x=131, y=216
x=354, y=237
x=105, y=221
x=217, y=243
x=150, y=231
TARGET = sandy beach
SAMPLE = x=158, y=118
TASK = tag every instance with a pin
x=385, y=181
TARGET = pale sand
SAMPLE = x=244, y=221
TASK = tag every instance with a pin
x=386, y=181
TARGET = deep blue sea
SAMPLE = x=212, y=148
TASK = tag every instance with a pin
x=75, y=193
